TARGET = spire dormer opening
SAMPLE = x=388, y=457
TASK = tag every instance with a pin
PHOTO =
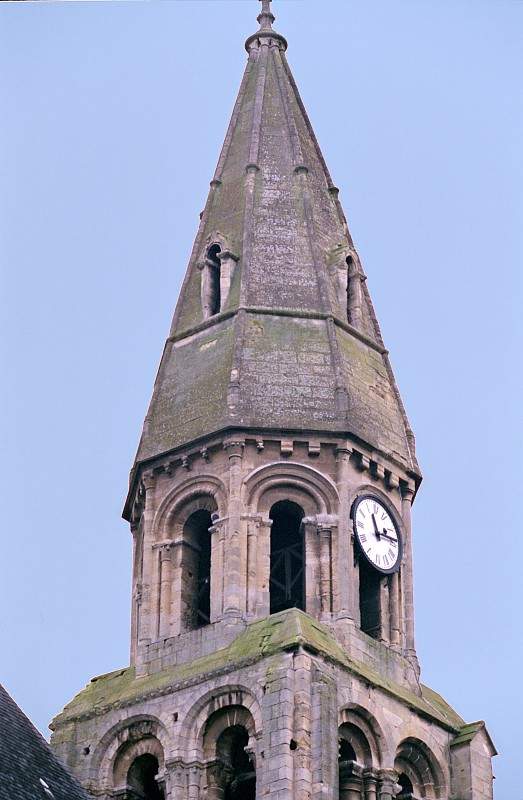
x=212, y=300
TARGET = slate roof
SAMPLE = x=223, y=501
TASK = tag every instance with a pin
x=28, y=768
x=281, y=354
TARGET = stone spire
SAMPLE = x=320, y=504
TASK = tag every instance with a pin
x=274, y=326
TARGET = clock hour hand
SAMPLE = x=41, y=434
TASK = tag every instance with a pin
x=376, y=530
x=386, y=536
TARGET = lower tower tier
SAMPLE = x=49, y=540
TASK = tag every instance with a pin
x=280, y=712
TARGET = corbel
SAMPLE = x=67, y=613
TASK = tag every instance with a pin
x=379, y=471
x=286, y=447
x=314, y=448
x=363, y=463
x=393, y=481
x=186, y=464
x=204, y=453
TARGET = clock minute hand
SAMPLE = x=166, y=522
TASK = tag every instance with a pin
x=376, y=530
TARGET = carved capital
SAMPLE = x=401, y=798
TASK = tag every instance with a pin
x=234, y=447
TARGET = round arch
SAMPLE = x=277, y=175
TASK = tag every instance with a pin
x=366, y=735
x=227, y=696
x=305, y=485
x=205, y=492
x=128, y=734
x=417, y=761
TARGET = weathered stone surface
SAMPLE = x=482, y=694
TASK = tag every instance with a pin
x=274, y=413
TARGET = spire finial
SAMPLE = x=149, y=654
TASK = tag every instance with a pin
x=266, y=32
x=266, y=18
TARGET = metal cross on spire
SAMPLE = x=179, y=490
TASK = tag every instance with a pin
x=266, y=18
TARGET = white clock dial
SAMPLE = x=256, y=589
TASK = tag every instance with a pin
x=377, y=534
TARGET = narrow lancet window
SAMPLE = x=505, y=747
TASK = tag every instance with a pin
x=196, y=570
x=212, y=301
x=287, y=578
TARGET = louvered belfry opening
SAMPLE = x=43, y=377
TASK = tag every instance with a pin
x=287, y=577
x=370, y=600
x=197, y=568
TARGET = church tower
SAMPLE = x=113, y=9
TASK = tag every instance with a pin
x=272, y=640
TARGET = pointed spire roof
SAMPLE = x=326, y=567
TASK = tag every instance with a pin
x=295, y=342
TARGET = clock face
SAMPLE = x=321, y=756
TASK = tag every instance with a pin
x=377, y=534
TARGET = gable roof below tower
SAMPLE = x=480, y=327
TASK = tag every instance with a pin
x=28, y=768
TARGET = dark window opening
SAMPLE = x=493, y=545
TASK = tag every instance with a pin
x=196, y=570
x=407, y=789
x=239, y=773
x=350, y=268
x=287, y=577
x=346, y=751
x=141, y=779
x=213, y=264
x=370, y=595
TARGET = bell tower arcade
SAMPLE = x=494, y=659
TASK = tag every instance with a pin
x=273, y=646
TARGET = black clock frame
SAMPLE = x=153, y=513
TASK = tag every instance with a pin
x=360, y=499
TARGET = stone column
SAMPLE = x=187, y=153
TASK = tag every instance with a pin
x=346, y=569
x=351, y=781
x=175, y=782
x=370, y=784
x=234, y=563
x=165, y=589
x=394, y=610
x=227, y=262
x=215, y=781
x=147, y=609
x=136, y=587
x=252, y=564
x=312, y=571
x=325, y=537
x=263, y=567
x=384, y=611
x=388, y=779
x=217, y=569
x=194, y=782
x=407, y=494
x=354, y=292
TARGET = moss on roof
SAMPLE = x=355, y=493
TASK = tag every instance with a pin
x=287, y=630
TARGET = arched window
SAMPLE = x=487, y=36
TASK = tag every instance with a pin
x=287, y=576
x=240, y=775
x=353, y=757
x=141, y=779
x=212, y=294
x=196, y=569
x=370, y=599
x=346, y=751
x=407, y=789
x=419, y=773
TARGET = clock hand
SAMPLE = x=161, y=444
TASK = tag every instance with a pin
x=376, y=531
x=390, y=538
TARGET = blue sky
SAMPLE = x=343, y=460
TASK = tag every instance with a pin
x=113, y=116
